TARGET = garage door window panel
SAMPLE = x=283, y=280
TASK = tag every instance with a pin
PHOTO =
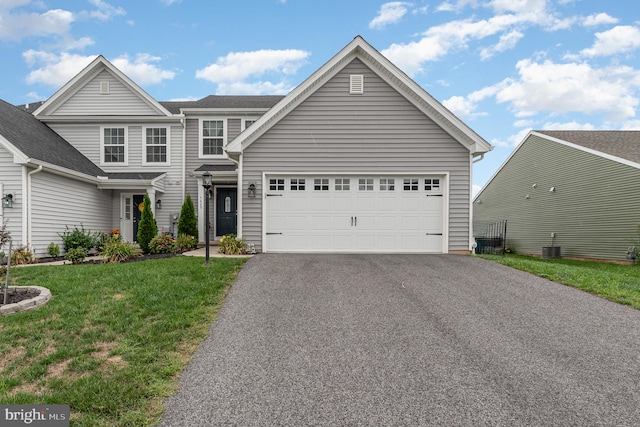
x=365, y=184
x=387, y=184
x=342, y=184
x=297, y=184
x=276, y=184
x=321, y=184
x=411, y=184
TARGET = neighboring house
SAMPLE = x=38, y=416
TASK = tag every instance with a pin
x=358, y=158
x=582, y=187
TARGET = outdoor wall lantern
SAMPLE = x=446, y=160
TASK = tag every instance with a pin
x=158, y=204
x=207, y=181
x=7, y=201
x=252, y=190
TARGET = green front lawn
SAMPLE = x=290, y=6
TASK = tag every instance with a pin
x=615, y=282
x=114, y=337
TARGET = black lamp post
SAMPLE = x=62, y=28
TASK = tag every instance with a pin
x=206, y=183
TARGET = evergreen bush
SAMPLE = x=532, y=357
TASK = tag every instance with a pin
x=147, y=227
x=188, y=223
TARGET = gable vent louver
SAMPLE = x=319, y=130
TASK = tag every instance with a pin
x=104, y=88
x=356, y=84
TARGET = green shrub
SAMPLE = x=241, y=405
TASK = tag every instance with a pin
x=5, y=234
x=188, y=223
x=185, y=242
x=76, y=255
x=115, y=250
x=21, y=255
x=105, y=237
x=78, y=238
x=162, y=244
x=147, y=227
x=231, y=245
x=53, y=250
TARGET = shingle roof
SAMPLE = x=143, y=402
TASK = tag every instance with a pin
x=225, y=101
x=620, y=143
x=38, y=141
x=218, y=168
x=134, y=175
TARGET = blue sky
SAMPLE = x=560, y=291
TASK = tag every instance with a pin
x=503, y=66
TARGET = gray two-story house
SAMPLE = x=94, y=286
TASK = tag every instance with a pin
x=357, y=158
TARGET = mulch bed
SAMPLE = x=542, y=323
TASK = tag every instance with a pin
x=17, y=295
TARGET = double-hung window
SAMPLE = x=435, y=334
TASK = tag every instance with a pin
x=213, y=138
x=156, y=143
x=114, y=146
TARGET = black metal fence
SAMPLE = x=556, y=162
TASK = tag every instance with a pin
x=490, y=237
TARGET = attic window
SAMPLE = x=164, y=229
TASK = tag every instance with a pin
x=356, y=84
x=104, y=88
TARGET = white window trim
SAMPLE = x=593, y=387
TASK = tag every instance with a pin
x=126, y=145
x=224, y=137
x=244, y=120
x=144, y=146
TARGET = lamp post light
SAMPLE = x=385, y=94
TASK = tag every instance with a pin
x=206, y=183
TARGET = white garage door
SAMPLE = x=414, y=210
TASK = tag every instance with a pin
x=354, y=214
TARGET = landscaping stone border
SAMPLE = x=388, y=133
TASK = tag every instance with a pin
x=28, y=304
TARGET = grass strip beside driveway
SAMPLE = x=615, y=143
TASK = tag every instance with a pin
x=615, y=282
x=114, y=337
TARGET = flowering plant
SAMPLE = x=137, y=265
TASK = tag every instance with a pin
x=163, y=243
x=230, y=244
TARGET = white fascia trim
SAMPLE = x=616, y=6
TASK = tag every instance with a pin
x=587, y=150
x=59, y=170
x=18, y=156
x=109, y=119
x=224, y=111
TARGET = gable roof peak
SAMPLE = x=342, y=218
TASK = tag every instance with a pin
x=83, y=77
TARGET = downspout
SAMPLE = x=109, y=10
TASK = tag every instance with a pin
x=29, y=213
x=184, y=156
x=474, y=159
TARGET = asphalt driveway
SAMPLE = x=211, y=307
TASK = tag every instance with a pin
x=383, y=340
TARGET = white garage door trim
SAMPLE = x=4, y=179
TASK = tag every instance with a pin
x=444, y=193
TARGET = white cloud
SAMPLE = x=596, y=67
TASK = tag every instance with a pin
x=142, y=69
x=475, y=189
x=105, y=11
x=572, y=87
x=465, y=107
x=511, y=140
x=599, y=19
x=507, y=41
x=619, y=39
x=17, y=26
x=631, y=125
x=54, y=70
x=389, y=13
x=232, y=71
x=456, y=6
x=568, y=126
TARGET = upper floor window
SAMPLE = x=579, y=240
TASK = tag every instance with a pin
x=114, y=145
x=247, y=122
x=213, y=138
x=156, y=143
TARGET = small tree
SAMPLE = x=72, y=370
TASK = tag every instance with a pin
x=188, y=223
x=147, y=227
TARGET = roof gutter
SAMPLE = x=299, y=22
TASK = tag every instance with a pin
x=478, y=158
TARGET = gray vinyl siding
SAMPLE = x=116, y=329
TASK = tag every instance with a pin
x=71, y=204
x=11, y=180
x=594, y=211
x=120, y=101
x=380, y=131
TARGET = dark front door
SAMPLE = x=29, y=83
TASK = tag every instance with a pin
x=226, y=208
x=138, y=204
